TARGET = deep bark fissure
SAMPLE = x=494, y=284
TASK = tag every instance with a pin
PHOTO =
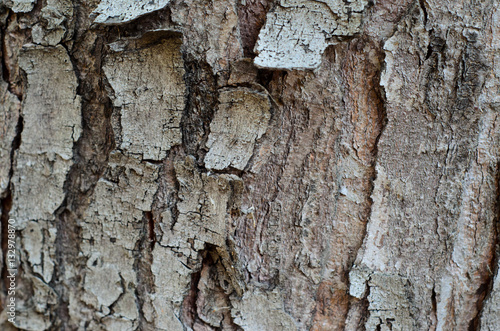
x=482, y=292
x=493, y=267
x=190, y=309
x=6, y=201
x=142, y=265
x=90, y=155
x=151, y=229
x=201, y=103
x=382, y=117
x=5, y=71
x=434, y=305
x=424, y=10
x=365, y=304
x=252, y=16
x=6, y=205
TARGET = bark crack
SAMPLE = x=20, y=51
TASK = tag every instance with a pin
x=208, y=304
x=6, y=200
x=493, y=267
x=90, y=155
x=380, y=99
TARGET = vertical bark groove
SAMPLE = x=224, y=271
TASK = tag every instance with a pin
x=493, y=267
x=6, y=197
x=91, y=155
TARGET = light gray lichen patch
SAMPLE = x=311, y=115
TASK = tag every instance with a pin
x=149, y=92
x=52, y=124
x=358, y=279
x=20, y=6
x=388, y=295
x=389, y=304
x=241, y=118
x=122, y=11
x=297, y=32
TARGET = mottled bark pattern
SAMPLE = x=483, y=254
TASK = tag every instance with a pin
x=251, y=165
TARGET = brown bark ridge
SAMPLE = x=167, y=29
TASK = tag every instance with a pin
x=250, y=165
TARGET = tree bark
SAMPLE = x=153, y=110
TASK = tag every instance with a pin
x=250, y=165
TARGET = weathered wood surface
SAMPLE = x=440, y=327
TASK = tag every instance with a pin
x=251, y=165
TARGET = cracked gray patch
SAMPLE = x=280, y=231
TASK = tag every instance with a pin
x=149, y=91
x=297, y=32
x=20, y=6
x=387, y=295
x=52, y=123
x=123, y=11
x=111, y=229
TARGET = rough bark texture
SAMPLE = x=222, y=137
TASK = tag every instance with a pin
x=251, y=165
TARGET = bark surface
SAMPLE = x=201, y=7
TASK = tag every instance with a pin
x=251, y=165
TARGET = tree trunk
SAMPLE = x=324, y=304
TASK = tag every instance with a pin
x=250, y=165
